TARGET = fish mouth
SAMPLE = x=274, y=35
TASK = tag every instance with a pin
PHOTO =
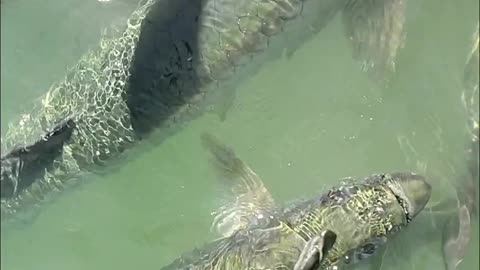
x=411, y=190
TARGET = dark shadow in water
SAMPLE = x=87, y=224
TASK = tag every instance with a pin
x=163, y=73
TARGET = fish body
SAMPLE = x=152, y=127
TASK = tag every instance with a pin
x=471, y=102
x=362, y=213
x=175, y=60
x=456, y=235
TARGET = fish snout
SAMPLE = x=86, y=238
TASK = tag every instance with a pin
x=412, y=190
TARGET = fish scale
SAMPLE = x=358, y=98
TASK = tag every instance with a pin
x=357, y=220
x=173, y=60
x=94, y=89
x=358, y=207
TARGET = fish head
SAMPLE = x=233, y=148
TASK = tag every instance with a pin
x=412, y=192
x=398, y=199
x=371, y=212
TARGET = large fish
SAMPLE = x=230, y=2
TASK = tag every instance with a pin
x=452, y=216
x=175, y=60
x=457, y=231
x=258, y=234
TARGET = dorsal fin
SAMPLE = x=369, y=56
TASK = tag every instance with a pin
x=23, y=165
x=249, y=202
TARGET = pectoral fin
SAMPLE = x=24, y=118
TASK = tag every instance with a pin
x=315, y=251
x=248, y=201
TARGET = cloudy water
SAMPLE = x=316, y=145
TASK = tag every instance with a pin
x=301, y=122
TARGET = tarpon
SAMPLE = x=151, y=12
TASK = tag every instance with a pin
x=452, y=216
x=457, y=231
x=173, y=61
x=258, y=234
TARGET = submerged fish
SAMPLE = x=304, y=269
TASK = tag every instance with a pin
x=457, y=230
x=175, y=60
x=454, y=216
x=471, y=101
x=258, y=234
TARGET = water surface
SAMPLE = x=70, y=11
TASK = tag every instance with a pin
x=302, y=123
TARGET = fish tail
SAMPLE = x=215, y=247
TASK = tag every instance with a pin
x=376, y=31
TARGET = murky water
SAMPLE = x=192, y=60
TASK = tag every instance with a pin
x=301, y=123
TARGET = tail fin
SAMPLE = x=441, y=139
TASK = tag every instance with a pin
x=376, y=31
x=23, y=165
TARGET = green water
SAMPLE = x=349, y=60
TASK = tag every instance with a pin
x=301, y=123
